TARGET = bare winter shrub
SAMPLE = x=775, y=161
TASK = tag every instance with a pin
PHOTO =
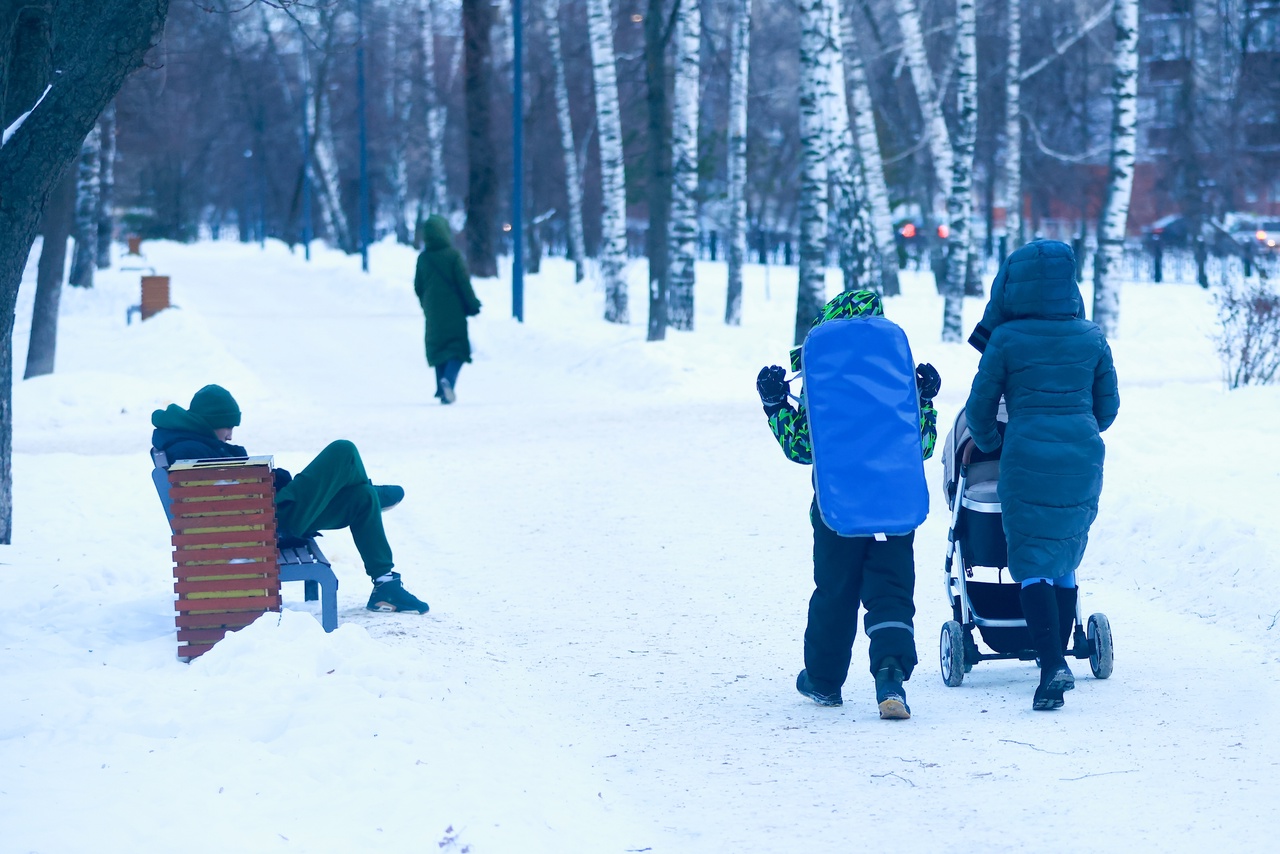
x=1249, y=333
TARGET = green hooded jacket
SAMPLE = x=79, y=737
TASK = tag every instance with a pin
x=444, y=291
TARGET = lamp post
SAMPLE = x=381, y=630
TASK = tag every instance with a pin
x=517, y=160
x=363, y=206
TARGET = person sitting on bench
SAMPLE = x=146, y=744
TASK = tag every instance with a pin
x=332, y=492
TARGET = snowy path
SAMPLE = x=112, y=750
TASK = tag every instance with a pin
x=617, y=563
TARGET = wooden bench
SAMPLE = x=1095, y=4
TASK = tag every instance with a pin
x=222, y=514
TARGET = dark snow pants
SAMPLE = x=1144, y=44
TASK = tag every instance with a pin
x=848, y=571
x=334, y=492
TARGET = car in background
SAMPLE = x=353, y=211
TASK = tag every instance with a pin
x=1231, y=235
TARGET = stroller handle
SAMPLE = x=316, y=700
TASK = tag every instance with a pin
x=968, y=452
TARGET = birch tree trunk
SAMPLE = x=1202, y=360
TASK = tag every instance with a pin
x=960, y=200
x=1115, y=210
x=1013, y=130
x=926, y=93
x=852, y=221
x=482, y=180
x=107, y=186
x=437, y=193
x=684, y=165
x=573, y=182
x=811, y=293
x=868, y=149
x=328, y=186
x=736, y=238
x=613, y=189
x=398, y=102
x=85, y=258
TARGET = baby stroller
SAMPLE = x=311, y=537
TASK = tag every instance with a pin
x=982, y=595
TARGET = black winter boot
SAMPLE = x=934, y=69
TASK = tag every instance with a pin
x=1040, y=607
x=890, y=695
x=1066, y=597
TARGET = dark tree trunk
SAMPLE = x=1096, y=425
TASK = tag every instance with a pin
x=26, y=60
x=482, y=190
x=97, y=45
x=657, y=34
x=56, y=227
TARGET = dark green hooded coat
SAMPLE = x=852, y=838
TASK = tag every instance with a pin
x=1054, y=370
x=444, y=291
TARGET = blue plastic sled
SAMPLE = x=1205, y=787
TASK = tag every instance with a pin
x=864, y=422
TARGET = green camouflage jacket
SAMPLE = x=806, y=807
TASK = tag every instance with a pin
x=791, y=428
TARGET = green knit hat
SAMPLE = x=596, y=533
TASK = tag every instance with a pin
x=214, y=405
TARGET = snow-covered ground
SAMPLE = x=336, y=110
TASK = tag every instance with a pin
x=618, y=562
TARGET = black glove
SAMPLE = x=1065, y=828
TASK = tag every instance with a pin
x=280, y=477
x=773, y=388
x=927, y=381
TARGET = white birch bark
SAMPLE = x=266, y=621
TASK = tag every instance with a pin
x=398, y=102
x=107, y=186
x=88, y=181
x=852, y=222
x=437, y=193
x=572, y=180
x=960, y=199
x=1013, y=130
x=683, y=236
x=1115, y=210
x=930, y=107
x=736, y=238
x=613, y=226
x=327, y=184
x=811, y=293
x=868, y=146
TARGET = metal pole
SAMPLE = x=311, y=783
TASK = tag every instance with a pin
x=363, y=207
x=517, y=178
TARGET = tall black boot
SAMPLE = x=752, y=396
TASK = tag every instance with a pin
x=1066, y=613
x=1040, y=608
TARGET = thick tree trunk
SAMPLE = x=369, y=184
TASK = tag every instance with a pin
x=613, y=185
x=1115, y=210
x=930, y=107
x=736, y=238
x=26, y=57
x=564, y=119
x=56, y=224
x=960, y=200
x=482, y=185
x=88, y=184
x=851, y=219
x=106, y=214
x=868, y=149
x=97, y=46
x=684, y=165
x=329, y=186
x=811, y=293
x=656, y=36
x=1013, y=130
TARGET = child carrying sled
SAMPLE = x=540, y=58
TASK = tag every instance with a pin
x=859, y=558
x=1054, y=370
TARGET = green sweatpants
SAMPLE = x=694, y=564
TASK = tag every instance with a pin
x=334, y=492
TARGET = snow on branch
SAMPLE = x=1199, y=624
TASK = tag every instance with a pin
x=17, y=123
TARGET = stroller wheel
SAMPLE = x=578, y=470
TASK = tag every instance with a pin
x=1101, y=655
x=951, y=653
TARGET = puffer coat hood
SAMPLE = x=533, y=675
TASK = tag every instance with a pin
x=1037, y=280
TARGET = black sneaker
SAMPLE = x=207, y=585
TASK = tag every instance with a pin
x=804, y=686
x=390, y=595
x=890, y=694
x=389, y=496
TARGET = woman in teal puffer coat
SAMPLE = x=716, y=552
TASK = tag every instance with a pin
x=1054, y=370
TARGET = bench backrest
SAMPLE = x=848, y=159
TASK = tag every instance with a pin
x=160, y=477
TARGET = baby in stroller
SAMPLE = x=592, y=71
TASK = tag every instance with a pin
x=1051, y=370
